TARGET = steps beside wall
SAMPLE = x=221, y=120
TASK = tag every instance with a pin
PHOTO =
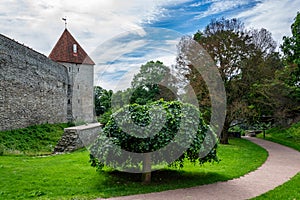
x=78, y=137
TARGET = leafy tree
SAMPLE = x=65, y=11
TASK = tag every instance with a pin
x=291, y=50
x=291, y=45
x=279, y=98
x=243, y=58
x=281, y=95
x=152, y=83
x=102, y=100
x=183, y=128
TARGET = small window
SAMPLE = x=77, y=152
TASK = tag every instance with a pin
x=78, y=100
x=69, y=69
x=74, y=48
x=78, y=87
x=78, y=69
x=69, y=101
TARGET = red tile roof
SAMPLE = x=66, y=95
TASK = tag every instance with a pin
x=63, y=51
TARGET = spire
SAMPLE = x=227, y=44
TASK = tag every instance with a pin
x=65, y=20
x=68, y=50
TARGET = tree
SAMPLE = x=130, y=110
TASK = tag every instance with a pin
x=242, y=58
x=281, y=99
x=281, y=94
x=291, y=51
x=152, y=83
x=181, y=132
x=102, y=99
x=291, y=45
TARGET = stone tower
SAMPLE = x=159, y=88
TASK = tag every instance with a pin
x=68, y=52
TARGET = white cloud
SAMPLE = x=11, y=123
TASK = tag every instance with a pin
x=38, y=23
x=119, y=58
x=112, y=50
x=219, y=6
x=105, y=75
x=274, y=15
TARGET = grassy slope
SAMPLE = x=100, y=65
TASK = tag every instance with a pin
x=70, y=176
x=33, y=140
x=289, y=137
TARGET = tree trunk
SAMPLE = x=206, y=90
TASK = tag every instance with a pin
x=146, y=176
x=224, y=133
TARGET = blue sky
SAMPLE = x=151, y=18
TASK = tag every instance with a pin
x=121, y=35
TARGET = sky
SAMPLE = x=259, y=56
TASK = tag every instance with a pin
x=122, y=35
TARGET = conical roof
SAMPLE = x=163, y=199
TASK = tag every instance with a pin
x=68, y=50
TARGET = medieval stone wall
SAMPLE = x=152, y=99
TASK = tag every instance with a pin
x=33, y=89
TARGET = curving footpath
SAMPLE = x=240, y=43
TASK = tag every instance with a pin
x=282, y=164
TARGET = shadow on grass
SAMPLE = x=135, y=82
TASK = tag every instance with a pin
x=166, y=176
x=166, y=179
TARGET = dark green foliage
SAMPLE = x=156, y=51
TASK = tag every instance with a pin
x=194, y=131
x=144, y=94
x=32, y=140
x=2, y=148
x=104, y=118
x=291, y=45
x=153, y=82
x=102, y=100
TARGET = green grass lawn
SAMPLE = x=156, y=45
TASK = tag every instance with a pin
x=70, y=176
x=289, y=137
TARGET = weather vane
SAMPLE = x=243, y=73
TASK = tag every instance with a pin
x=65, y=19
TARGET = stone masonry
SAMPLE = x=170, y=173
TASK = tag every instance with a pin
x=78, y=137
x=33, y=88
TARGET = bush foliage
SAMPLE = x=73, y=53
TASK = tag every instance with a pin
x=179, y=124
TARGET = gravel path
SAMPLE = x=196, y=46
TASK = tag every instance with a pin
x=282, y=164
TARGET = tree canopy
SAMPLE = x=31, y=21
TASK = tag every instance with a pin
x=102, y=100
x=151, y=83
x=243, y=58
x=291, y=45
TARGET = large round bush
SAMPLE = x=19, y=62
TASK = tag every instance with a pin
x=163, y=128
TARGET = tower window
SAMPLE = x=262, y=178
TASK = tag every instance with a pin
x=74, y=48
